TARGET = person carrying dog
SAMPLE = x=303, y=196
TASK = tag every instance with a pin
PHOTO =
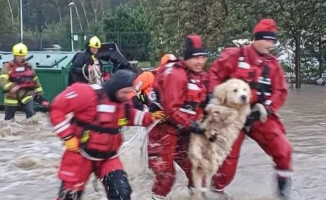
x=255, y=65
x=183, y=91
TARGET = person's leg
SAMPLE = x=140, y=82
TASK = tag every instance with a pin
x=161, y=150
x=29, y=109
x=66, y=194
x=10, y=112
x=74, y=173
x=114, y=178
x=117, y=186
x=182, y=158
x=272, y=139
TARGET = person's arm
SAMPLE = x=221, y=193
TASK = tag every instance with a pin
x=221, y=69
x=74, y=99
x=5, y=83
x=37, y=85
x=173, y=88
x=279, y=89
x=79, y=64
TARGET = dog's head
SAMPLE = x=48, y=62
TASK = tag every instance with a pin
x=233, y=93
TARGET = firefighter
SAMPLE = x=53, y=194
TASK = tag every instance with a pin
x=183, y=90
x=255, y=65
x=144, y=94
x=85, y=64
x=19, y=81
x=93, y=136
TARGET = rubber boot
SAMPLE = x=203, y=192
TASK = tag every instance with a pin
x=284, y=187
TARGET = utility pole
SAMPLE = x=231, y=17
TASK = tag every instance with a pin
x=71, y=27
x=21, y=20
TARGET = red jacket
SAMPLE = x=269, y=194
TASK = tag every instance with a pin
x=182, y=94
x=95, y=108
x=251, y=69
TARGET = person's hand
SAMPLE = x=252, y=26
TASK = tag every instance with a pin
x=195, y=128
x=258, y=112
x=72, y=144
x=263, y=112
x=158, y=115
x=90, y=68
x=15, y=89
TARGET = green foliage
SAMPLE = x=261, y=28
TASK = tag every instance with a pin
x=127, y=26
x=125, y=18
x=302, y=27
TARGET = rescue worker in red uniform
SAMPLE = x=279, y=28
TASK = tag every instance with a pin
x=92, y=137
x=19, y=82
x=84, y=62
x=255, y=65
x=182, y=90
x=144, y=94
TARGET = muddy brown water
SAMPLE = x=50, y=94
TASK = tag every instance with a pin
x=30, y=155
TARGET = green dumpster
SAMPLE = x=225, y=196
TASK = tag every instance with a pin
x=52, y=69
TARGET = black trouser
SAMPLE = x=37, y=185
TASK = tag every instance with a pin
x=115, y=183
x=11, y=110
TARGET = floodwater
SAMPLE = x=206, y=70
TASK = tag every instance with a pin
x=30, y=155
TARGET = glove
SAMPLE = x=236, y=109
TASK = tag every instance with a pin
x=41, y=100
x=137, y=103
x=258, y=112
x=72, y=144
x=158, y=115
x=195, y=128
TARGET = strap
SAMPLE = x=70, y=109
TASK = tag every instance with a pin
x=96, y=128
x=265, y=72
x=127, y=111
x=96, y=155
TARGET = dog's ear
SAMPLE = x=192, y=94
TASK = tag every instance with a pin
x=220, y=93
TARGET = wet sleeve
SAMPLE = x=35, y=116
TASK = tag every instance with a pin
x=37, y=85
x=174, y=87
x=140, y=118
x=5, y=83
x=279, y=88
x=79, y=64
x=221, y=69
x=72, y=100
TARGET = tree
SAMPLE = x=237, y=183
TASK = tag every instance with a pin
x=217, y=21
x=127, y=26
x=6, y=17
x=294, y=17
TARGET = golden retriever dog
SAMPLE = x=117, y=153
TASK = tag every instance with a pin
x=226, y=115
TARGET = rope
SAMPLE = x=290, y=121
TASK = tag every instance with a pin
x=94, y=75
x=148, y=129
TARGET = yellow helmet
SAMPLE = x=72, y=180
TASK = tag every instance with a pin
x=94, y=42
x=19, y=49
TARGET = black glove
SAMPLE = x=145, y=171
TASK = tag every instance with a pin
x=254, y=116
x=41, y=100
x=258, y=112
x=38, y=98
x=137, y=103
x=195, y=128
